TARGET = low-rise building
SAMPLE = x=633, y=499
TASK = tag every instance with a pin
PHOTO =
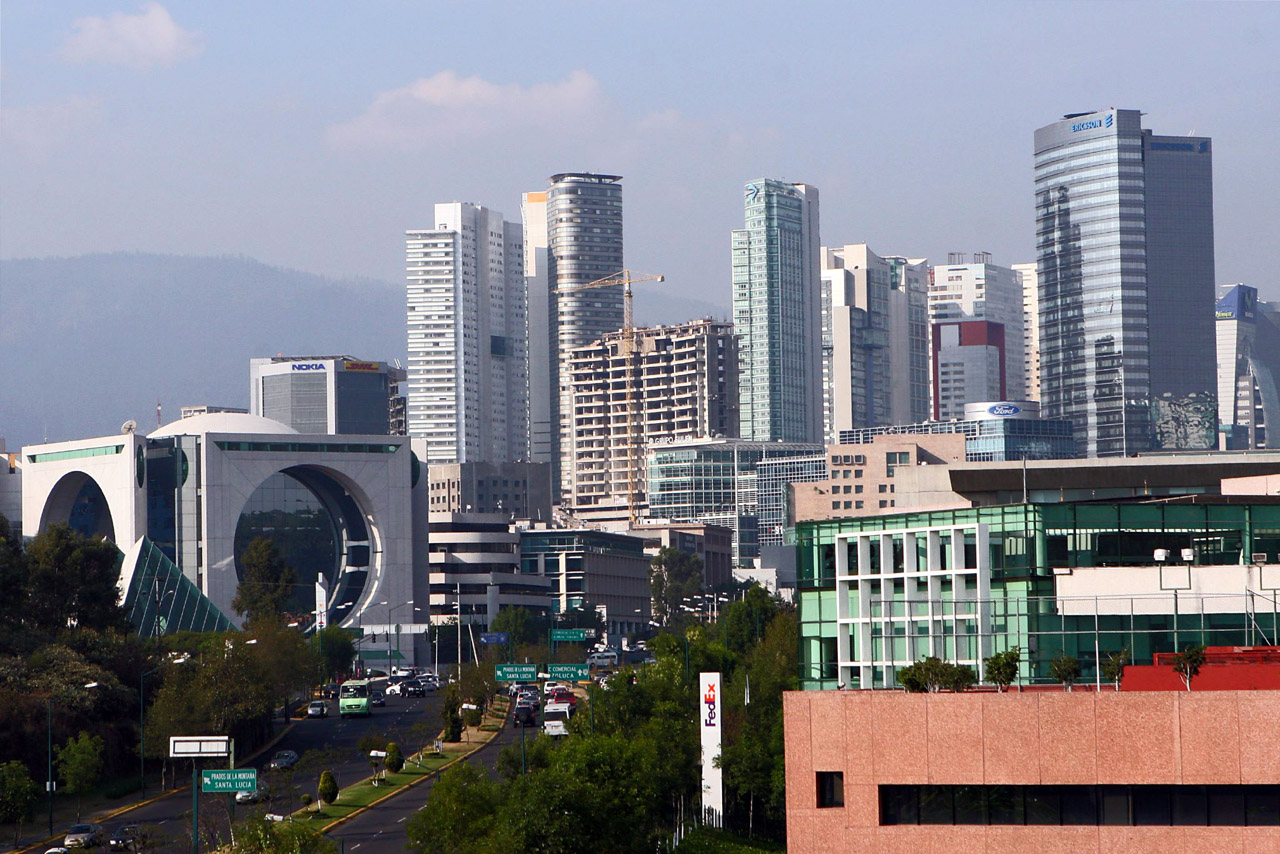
x=592, y=569
x=711, y=544
x=475, y=569
x=514, y=490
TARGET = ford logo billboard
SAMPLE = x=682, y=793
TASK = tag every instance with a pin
x=1004, y=410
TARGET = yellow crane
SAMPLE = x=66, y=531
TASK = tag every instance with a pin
x=635, y=425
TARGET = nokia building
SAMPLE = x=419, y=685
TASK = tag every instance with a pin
x=1124, y=236
x=326, y=394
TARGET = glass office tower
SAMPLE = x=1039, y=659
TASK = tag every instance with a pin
x=1124, y=236
x=777, y=292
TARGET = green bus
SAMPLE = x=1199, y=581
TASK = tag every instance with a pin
x=353, y=698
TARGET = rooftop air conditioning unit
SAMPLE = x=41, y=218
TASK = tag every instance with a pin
x=1258, y=557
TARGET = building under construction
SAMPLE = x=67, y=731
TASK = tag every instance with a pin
x=630, y=389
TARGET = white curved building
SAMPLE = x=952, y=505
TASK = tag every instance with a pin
x=199, y=489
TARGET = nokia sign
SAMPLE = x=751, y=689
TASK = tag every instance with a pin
x=307, y=366
x=1094, y=124
x=1004, y=410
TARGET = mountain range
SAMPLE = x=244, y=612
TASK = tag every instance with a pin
x=94, y=340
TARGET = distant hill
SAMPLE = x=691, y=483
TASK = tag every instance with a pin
x=91, y=341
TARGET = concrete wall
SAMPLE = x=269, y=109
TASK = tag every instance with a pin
x=887, y=737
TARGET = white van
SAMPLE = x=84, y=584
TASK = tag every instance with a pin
x=555, y=719
x=608, y=658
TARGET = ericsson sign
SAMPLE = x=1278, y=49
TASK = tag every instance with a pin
x=1093, y=124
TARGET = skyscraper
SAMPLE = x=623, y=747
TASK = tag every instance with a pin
x=777, y=313
x=581, y=230
x=875, y=333
x=1248, y=333
x=468, y=381
x=976, y=312
x=1124, y=236
x=1030, y=328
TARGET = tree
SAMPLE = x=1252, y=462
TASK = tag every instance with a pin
x=327, y=791
x=257, y=835
x=13, y=576
x=18, y=794
x=1187, y=663
x=1002, y=668
x=267, y=584
x=80, y=765
x=458, y=815
x=395, y=759
x=674, y=576
x=744, y=621
x=450, y=712
x=1065, y=669
x=71, y=580
x=522, y=626
x=1113, y=666
x=336, y=650
x=932, y=675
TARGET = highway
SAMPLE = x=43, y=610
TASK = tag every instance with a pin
x=167, y=821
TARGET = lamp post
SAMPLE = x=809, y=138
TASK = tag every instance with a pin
x=395, y=608
x=142, y=723
x=49, y=784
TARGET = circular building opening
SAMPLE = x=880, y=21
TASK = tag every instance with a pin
x=318, y=530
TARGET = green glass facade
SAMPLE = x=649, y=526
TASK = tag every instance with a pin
x=161, y=600
x=962, y=584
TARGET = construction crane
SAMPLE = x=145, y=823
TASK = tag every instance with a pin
x=635, y=424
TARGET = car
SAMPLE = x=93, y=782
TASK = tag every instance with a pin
x=253, y=797
x=124, y=839
x=396, y=689
x=603, y=659
x=413, y=689
x=551, y=687
x=332, y=690
x=58, y=850
x=318, y=709
x=525, y=716
x=377, y=698
x=429, y=683
x=83, y=835
x=282, y=760
x=563, y=695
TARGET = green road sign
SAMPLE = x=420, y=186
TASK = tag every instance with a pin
x=572, y=672
x=515, y=672
x=236, y=780
x=568, y=634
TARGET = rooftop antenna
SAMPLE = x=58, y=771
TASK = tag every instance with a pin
x=128, y=427
x=159, y=418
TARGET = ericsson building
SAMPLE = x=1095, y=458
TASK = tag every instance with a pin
x=1124, y=236
x=184, y=502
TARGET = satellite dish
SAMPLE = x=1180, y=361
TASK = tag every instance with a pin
x=128, y=426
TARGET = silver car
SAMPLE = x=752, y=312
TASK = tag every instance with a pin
x=86, y=835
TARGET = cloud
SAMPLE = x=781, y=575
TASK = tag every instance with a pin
x=140, y=41
x=449, y=108
x=38, y=129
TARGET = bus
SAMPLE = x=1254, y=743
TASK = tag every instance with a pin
x=353, y=698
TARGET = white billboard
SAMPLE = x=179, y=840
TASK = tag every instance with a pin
x=711, y=728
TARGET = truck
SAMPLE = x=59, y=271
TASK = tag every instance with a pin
x=555, y=719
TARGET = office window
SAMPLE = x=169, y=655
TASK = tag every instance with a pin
x=830, y=789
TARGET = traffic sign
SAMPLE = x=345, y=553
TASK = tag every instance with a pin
x=494, y=637
x=236, y=780
x=182, y=746
x=568, y=634
x=572, y=672
x=515, y=672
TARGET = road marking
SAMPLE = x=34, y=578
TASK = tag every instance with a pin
x=401, y=818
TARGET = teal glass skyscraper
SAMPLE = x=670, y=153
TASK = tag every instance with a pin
x=777, y=292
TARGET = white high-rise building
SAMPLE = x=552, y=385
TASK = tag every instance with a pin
x=541, y=314
x=983, y=362
x=1030, y=328
x=468, y=374
x=875, y=339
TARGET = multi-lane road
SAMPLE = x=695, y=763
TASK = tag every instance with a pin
x=167, y=820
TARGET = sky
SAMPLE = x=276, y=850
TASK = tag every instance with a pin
x=312, y=134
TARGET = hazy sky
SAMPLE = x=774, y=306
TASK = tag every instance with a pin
x=312, y=134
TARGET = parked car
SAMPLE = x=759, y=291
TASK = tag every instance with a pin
x=124, y=839
x=283, y=759
x=85, y=835
x=318, y=709
x=247, y=797
x=377, y=698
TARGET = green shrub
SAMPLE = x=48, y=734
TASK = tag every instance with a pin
x=395, y=759
x=328, y=790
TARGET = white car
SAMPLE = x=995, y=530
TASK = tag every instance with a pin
x=552, y=687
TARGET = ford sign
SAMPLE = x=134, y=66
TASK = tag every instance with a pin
x=1004, y=410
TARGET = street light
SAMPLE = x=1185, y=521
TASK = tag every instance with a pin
x=142, y=721
x=390, y=613
x=49, y=784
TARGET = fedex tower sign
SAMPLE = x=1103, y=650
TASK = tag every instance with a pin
x=710, y=725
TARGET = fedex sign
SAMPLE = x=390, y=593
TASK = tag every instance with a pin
x=710, y=727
